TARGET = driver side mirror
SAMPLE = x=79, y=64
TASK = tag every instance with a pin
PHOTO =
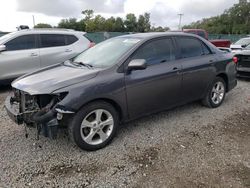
x=244, y=46
x=2, y=48
x=137, y=64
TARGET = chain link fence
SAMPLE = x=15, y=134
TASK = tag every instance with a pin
x=232, y=38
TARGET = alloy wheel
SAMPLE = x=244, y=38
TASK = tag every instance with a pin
x=97, y=126
x=218, y=92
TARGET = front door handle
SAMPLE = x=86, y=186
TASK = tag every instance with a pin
x=68, y=50
x=34, y=54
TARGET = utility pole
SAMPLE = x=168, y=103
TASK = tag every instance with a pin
x=34, y=23
x=180, y=20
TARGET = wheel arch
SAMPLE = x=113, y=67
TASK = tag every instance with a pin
x=225, y=78
x=115, y=104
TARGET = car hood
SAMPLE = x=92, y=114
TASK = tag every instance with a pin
x=243, y=52
x=236, y=46
x=47, y=80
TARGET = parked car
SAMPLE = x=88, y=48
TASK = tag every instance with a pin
x=119, y=80
x=243, y=65
x=240, y=44
x=203, y=33
x=25, y=51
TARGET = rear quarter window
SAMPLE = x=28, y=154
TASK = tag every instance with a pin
x=190, y=47
x=70, y=39
x=88, y=38
x=201, y=34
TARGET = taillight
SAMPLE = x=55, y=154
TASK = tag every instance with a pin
x=91, y=44
x=235, y=60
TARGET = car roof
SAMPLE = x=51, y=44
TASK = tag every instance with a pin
x=156, y=34
x=245, y=38
x=48, y=30
x=14, y=34
x=194, y=30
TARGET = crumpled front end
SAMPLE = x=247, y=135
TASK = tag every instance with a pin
x=35, y=110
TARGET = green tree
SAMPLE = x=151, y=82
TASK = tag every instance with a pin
x=119, y=25
x=97, y=23
x=72, y=23
x=143, y=24
x=42, y=25
x=131, y=23
x=159, y=29
x=89, y=14
x=110, y=24
x=235, y=20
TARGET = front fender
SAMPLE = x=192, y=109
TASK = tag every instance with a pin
x=109, y=87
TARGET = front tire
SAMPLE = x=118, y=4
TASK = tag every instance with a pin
x=94, y=126
x=216, y=93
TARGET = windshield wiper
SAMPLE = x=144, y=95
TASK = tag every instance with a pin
x=83, y=64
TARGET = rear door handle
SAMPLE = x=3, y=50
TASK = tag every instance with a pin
x=33, y=54
x=68, y=50
x=176, y=69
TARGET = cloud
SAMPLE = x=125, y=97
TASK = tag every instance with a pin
x=163, y=15
x=163, y=12
x=209, y=8
x=72, y=8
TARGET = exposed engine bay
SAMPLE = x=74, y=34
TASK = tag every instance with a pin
x=38, y=110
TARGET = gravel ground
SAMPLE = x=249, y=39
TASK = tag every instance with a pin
x=190, y=146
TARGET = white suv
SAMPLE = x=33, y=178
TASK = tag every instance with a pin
x=25, y=51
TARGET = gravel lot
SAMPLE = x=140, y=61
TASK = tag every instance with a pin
x=190, y=146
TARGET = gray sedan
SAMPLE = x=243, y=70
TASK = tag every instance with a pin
x=119, y=80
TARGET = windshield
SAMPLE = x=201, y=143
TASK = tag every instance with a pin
x=106, y=53
x=245, y=41
x=248, y=47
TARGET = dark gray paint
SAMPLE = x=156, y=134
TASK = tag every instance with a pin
x=140, y=92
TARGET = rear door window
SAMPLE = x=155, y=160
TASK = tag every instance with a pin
x=52, y=40
x=24, y=42
x=156, y=51
x=190, y=47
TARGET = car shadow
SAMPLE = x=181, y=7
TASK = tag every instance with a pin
x=244, y=79
x=5, y=88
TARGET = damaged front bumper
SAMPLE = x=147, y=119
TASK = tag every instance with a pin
x=13, y=111
x=45, y=119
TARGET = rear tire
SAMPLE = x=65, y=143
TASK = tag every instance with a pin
x=216, y=93
x=94, y=126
